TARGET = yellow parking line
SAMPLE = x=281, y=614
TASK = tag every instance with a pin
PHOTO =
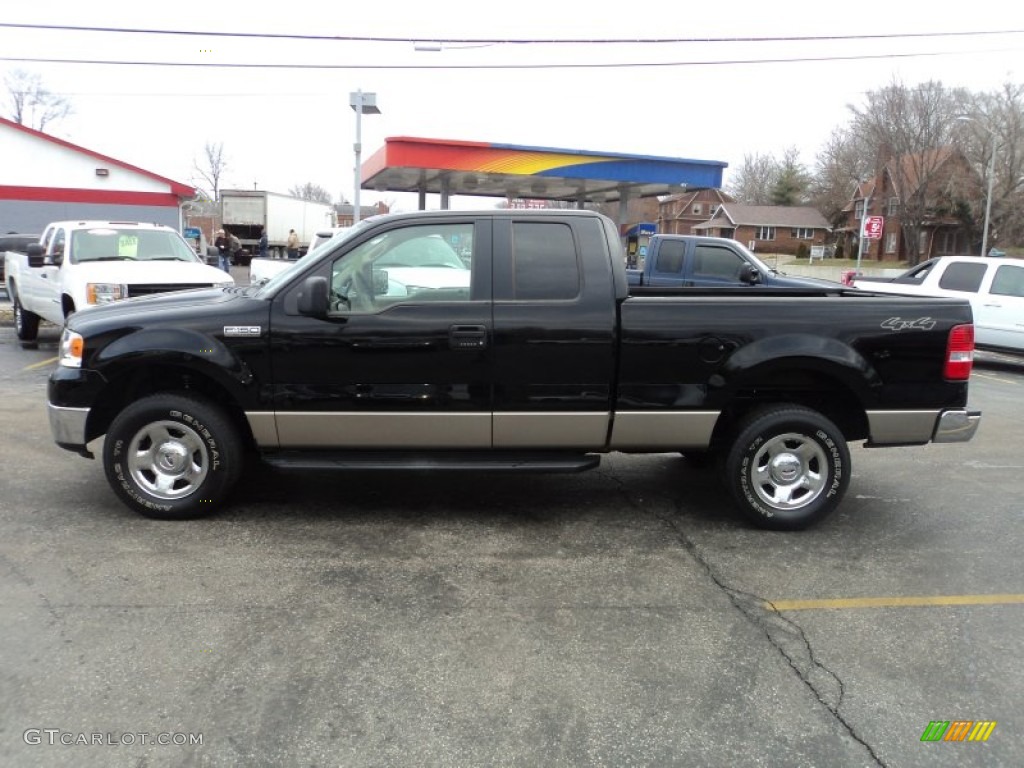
x=40, y=364
x=891, y=602
x=1000, y=379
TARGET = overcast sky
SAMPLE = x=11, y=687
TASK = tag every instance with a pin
x=282, y=127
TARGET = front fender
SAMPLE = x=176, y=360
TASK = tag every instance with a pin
x=180, y=347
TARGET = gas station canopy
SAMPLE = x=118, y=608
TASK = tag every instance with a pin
x=437, y=166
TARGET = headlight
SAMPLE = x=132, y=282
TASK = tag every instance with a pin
x=104, y=293
x=71, y=347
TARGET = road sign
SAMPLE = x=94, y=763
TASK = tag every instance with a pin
x=873, y=227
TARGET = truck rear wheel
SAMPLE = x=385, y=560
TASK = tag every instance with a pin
x=172, y=456
x=788, y=467
x=26, y=324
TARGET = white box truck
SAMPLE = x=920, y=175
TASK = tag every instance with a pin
x=246, y=212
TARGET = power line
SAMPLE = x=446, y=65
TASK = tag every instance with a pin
x=511, y=40
x=519, y=66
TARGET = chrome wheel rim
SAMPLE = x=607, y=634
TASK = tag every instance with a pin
x=789, y=471
x=168, y=460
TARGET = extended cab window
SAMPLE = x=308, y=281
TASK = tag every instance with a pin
x=1009, y=281
x=427, y=262
x=961, y=276
x=670, y=256
x=544, y=261
x=714, y=261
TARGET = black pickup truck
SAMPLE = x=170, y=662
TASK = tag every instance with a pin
x=504, y=340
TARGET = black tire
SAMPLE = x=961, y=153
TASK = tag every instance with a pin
x=172, y=456
x=26, y=324
x=788, y=467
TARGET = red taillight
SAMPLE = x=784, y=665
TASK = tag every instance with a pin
x=959, y=353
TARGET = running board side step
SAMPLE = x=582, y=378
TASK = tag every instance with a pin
x=498, y=461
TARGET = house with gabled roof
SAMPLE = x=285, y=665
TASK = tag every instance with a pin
x=770, y=228
x=679, y=213
x=44, y=179
x=920, y=196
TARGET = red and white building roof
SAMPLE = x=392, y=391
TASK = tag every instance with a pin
x=44, y=179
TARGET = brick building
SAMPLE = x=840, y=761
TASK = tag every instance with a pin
x=920, y=195
x=768, y=228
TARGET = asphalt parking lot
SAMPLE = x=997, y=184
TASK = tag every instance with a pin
x=624, y=616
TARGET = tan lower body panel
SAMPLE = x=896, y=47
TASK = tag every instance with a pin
x=383, y=430
x=901, y=427
x=551, y=430
x=543, y=430
x=671, y=430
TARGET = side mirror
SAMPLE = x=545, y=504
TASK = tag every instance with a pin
x=749, y=275
x=36, y=255
x=381, y=284
x=312, y=299
x=212, y=255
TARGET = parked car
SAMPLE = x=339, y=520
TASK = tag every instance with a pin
x=707, y=262
x=76, y=265
x=13, y=241
x=995, y=288
x=385, y=350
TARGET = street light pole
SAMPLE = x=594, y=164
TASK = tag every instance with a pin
x=362, y=103
x=991, y=178
x=988, y=196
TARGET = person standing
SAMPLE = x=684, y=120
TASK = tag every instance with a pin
x=223, y=246
x=234, y=247
x=293, y=245
x=264, y=244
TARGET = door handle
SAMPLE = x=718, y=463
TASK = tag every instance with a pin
x=467, y=337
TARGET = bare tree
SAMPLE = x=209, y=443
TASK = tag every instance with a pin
x=312, y=192
x=840, y=166
x=30, y=103
x=994, y=123
x=210, y=170
x=909, y=126
x=753, y=180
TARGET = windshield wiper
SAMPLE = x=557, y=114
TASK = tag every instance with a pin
x=112, y=258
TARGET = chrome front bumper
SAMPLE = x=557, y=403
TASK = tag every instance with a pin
x=67, y=425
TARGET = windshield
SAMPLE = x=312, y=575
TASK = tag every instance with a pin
x=129, y=244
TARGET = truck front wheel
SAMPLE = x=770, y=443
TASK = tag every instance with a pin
x=172, y=456
x=788, y=467
x=26, y=324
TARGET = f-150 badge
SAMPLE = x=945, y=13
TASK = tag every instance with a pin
x=242, y=330
x=918, y=324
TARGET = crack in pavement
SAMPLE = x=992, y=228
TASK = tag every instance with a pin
x=787, y=637
x=784, y=634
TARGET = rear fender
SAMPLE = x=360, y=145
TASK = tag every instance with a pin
x=800, y=353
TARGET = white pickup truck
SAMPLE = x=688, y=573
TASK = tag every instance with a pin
x=78, y=264
x=994, y=286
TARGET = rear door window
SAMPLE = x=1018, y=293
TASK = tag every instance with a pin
x=963, y=276
x=544, y=260
x=670, y=256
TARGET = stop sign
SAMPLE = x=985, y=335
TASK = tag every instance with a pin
x=873, y=227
